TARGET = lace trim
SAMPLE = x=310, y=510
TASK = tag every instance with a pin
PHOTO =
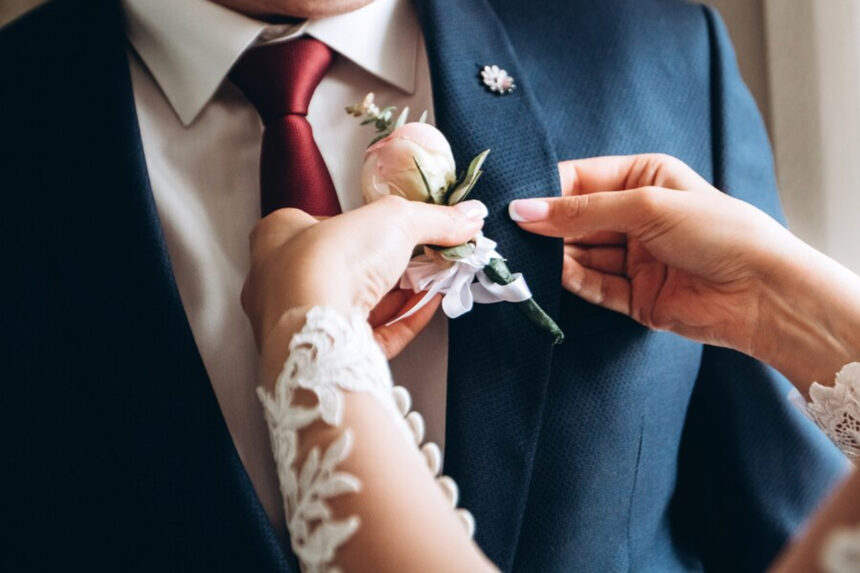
x=836, y=409
x=841, y=551
x=332, y=354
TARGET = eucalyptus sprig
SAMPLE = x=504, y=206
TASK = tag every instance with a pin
x=382, y=119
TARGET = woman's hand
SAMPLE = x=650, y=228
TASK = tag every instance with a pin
x=348, y=262
x=674, y=253
x=690, y=261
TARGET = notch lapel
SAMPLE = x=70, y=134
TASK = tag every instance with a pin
x=142, y=369
x=499, y=363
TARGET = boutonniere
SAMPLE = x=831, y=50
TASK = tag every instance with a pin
x=414, y=160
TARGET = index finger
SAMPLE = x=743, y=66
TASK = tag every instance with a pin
x=623, y=172
x=575, y=217
x=594, y=174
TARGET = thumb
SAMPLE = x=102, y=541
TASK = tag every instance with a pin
x=445, y=226
x=580, y=215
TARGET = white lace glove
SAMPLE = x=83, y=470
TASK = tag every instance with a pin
x=836, y=409
x=333, y=354
x=841, y=551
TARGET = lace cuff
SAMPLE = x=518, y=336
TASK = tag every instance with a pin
x=330, y=355
x=841, y=551
x=836, y=409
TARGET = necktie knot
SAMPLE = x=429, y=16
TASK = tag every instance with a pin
x=280, y=78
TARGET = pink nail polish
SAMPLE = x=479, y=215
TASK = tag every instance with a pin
x=528, y=210
x=472, y=209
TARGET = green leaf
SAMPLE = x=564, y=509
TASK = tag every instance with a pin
x=469, y=179
x=379, y=137
x=382, y=121
x=423, y=118
x=476, y=164
x=401, y=119
x=424, y=179
x=456, y=253
x=461, y=191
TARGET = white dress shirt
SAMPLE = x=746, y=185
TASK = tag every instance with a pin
x=202, y=140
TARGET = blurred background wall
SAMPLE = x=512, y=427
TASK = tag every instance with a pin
x=801, y=60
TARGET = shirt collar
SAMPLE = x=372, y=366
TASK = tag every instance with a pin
x=190, y=46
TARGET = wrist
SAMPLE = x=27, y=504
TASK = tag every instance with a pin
x=275, y=342
x=809, y=325
x=277, y=313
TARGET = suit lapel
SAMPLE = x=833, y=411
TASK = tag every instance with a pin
x=142, y=367
x=141, y=364
x=499, y=363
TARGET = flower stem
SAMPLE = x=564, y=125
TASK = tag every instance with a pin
x=499, y=273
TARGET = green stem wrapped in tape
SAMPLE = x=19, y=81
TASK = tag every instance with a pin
x=499, y=273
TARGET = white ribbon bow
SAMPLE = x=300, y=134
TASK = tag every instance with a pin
x=456, y=280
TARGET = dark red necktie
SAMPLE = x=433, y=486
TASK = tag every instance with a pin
x=279, y=79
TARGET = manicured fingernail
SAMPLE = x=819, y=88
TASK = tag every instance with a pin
x=528, y=210
x=472, y=209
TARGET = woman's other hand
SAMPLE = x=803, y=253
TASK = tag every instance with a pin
x=647, y=237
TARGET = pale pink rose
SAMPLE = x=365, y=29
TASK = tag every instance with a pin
x=389, y=164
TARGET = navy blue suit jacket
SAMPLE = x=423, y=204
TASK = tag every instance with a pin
x=621, y=449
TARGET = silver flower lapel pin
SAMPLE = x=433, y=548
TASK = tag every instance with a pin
x=497, y=80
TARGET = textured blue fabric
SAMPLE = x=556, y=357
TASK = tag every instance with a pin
x=649, y=452
x=623, y=449
x=115, y=454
